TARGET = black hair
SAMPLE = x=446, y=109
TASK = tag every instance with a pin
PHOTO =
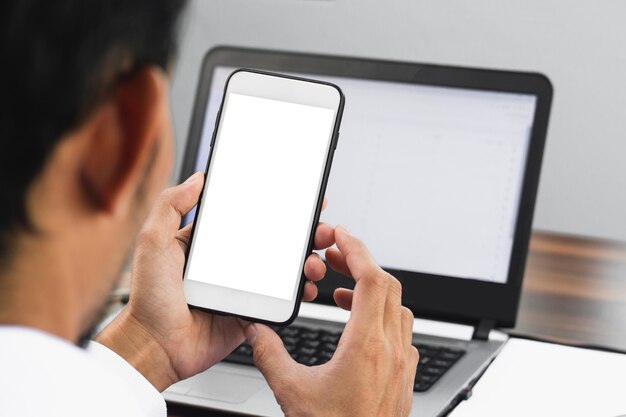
x=58, y=60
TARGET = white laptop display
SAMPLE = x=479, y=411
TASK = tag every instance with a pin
x=436, y=170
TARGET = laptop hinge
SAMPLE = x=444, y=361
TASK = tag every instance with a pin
x=481, y=332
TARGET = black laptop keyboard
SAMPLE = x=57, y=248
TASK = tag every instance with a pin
x=315, y=347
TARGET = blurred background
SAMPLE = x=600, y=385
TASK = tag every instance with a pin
x=578, y=45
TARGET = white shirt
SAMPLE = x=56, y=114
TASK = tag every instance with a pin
x=44, y=376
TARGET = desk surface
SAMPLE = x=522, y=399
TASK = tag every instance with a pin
x=574, y=292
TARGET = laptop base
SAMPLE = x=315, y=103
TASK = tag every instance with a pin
x=241, y=388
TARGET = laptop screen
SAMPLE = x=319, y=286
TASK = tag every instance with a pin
x=428, y=177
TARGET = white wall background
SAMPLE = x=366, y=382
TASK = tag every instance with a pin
x=580, y=45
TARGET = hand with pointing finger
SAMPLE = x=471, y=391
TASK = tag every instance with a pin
x=373, y=368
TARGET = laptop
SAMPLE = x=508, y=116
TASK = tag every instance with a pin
x=436, y=170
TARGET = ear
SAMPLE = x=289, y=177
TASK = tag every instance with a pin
x=124, y=139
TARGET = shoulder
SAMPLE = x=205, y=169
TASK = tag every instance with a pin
x=46, y=376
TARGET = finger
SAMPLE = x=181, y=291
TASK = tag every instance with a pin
x=310, y=291
x=324, y=203
x=270, y=356
x=412, y=361
x=228, y=328
x=370, y=290
x=393, y=310
x=407, y=326
x=406, y=396
x=412, y=357
x=173, y=203
x=324, y=236
x=183, y=197
x=314, y=267
x=358, y=259
x=411, y=352
x=337, y=262
x=343, y=298
x=184, y=235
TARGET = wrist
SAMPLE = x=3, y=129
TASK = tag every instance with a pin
x=131, y=340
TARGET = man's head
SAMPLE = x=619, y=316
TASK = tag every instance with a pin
x=85, y=146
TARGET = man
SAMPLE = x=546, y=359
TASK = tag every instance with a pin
x=85, y=150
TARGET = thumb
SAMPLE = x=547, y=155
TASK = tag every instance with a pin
x=270, y=355
x=172, y=205
x=180, y=199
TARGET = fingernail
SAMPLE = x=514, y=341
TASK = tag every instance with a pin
x=343, y=229
x=250, y=333
x=193, y=178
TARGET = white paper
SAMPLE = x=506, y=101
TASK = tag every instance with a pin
x=530, y=379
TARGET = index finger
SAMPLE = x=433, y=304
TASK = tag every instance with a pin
x=370, y=290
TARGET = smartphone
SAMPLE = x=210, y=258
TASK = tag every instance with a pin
x=268, y=166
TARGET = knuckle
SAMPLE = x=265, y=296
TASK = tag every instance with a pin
x=375, y=350
x=381, y=280
x=394, y=284
x=166, y=196
x=148, y=236
x=377, y=279
x=356, y=242
x=353, y=258
x=357, y=249
x=398, y=360
x=415, y=355
x=407, y=314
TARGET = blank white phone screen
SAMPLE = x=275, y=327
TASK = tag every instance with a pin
x=260, y=197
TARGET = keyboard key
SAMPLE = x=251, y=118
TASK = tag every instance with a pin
x=290, y=340
x=442, y=363
x=427, y=350
x=288, y=331
x=421, y=387
x=311, y=343
x=451, y=355
x=424, y=360
x=426, y=378
x=306, y=351
x=308, y=360
x=434, y=370
x=309, y=335
x=240, y=359
x=330, y=338
x=329, y=347
x=245, y=349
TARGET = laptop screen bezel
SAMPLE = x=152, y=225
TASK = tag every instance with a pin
x=428, y=296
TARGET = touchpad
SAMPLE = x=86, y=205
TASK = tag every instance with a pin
x=226, y=387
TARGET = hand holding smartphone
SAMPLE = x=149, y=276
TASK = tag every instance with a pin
x=269, y=163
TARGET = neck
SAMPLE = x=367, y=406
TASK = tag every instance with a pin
x=36, y=292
